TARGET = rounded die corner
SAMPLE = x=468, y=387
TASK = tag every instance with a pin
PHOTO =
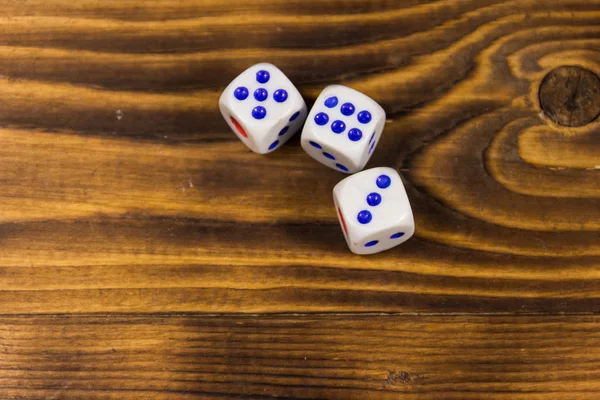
x=265, y=63
x=260, y=65
x=334, y=86
x=223, y=97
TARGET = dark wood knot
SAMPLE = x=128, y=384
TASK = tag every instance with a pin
x=570, y=96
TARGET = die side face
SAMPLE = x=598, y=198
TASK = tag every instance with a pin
x=342, y=128
x=263, y=107
x=373, y=210
x=373, y=141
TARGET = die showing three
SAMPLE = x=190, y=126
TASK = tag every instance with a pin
x=374, y=210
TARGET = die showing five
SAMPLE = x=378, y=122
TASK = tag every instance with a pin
x=263, y=107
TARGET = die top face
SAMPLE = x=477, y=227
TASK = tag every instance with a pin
x=374, y=210
x=260, y=98
x=344, y=119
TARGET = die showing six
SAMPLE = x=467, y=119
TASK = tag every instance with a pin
x=338, y=125
x=264, y=109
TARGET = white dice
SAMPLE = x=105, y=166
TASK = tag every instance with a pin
x=263, y=107
x=343, y=128
x=373, y=210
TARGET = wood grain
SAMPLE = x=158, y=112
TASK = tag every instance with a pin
x=127, y=205
x=123, y=188
x=311, y=357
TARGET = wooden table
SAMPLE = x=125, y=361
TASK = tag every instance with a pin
x=145, y=253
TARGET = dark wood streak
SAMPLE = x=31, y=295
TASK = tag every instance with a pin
x=258, y=269
x=163, y=10
x=307, y=357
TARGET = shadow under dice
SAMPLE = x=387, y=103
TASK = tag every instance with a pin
x=263, y=107
x=373, y=210
x=343, y=128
